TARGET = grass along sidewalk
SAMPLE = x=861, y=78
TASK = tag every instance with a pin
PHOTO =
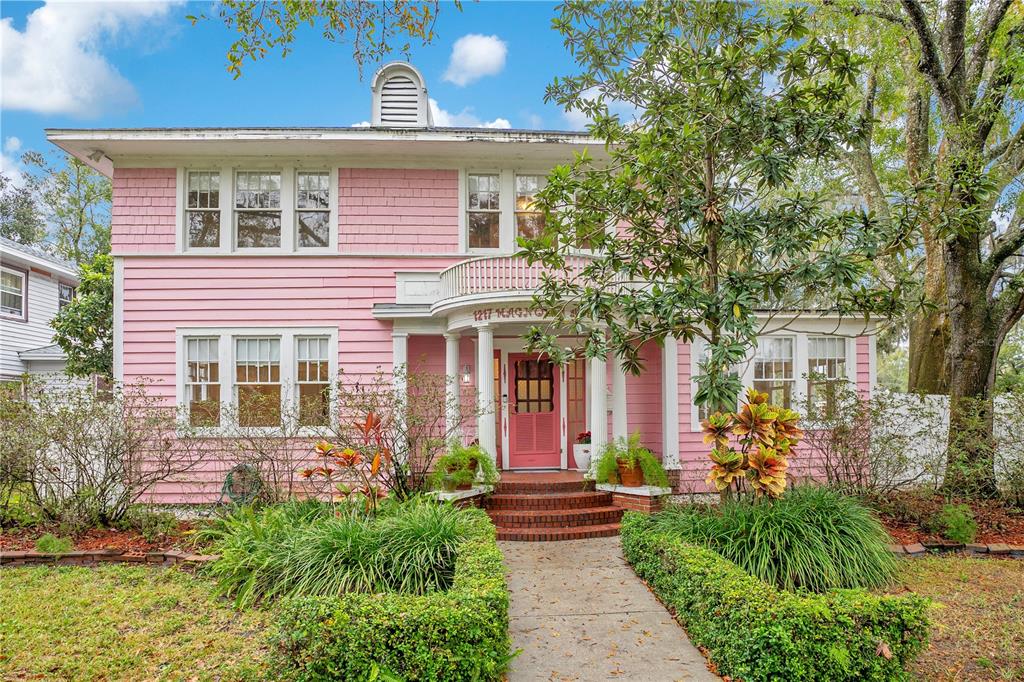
x=124, y=623
x=977, y=618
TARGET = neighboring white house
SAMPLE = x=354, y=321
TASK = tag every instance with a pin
x=34, y=285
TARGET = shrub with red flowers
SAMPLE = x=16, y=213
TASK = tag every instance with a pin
x=356, y=472
x=583, y=438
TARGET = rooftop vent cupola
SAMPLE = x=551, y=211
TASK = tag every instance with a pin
x=400, y=97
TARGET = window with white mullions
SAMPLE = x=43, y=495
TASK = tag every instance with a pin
x=257, y=209
x=703, y=350
x=826, y=368
x=258, y=381
x=12, y=293
x=529, y=220
x=313, y=209
x=65, y=294
x=483, y=215
x=313, y=380
x=202, y=381
x=203, y=217
x=774, y=369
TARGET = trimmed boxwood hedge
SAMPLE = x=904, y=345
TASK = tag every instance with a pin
x=458, y=634
x=752, y=631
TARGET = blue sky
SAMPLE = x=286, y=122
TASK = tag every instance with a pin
x=134, y=65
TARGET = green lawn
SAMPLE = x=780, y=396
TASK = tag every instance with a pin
x=977, y=621
x=123, y=623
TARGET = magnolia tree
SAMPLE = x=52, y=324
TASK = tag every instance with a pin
x=711, y=232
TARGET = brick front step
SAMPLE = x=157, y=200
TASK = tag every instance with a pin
x=542, y=487
x=548, y=534
x=574, y=500
x=556, y=518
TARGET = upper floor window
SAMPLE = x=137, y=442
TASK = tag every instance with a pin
x=483, y=217
x=12, y=293
x=529, y=221
x=774, y=369
x=257, y=209
x=313, y=209
x=65, y=294
x=203, y=217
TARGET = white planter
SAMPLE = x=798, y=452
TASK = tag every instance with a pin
x=581, y=453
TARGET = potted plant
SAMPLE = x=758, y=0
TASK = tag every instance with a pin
x=581, y=451
x=627, y=463
x=461, y=467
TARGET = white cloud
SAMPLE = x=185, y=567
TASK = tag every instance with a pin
x=463, y=119
x=577, y=120
x=57, y=66
x=475, y=56
x=12, y=145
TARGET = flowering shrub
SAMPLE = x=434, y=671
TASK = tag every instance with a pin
x=583, y=438
x=356, y=473
x=765, y=435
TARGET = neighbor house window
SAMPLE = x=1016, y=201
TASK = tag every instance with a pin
x=257, y=209
x=826, y=369
x=65, y=294
x=313, y=379
x=203, y=217
x=258, y=381
x=529, y=220
x=12, y=293
x=483, y=217
x=773, y=369
x=202, y=381
x=313, y=209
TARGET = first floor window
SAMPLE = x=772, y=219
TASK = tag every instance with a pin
x=313, y=209
x=12, y=293
x=203, y=213
x=703, y=350
x=202, y=381
x=773, y=369
x=257, y=209
x=258, y=381
x=826, y=369
x=529, y=220
x=483, y=217
x=65, y=294
x=313, y=380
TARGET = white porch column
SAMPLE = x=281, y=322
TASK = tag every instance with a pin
x=670, y=403
x=451, y=391
x=400, y=360
x=598, y=408
x=620, y=422
x=485, y=389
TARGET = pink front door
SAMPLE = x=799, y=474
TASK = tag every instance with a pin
x=533, y=414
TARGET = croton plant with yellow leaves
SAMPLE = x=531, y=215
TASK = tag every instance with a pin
x=751, y=446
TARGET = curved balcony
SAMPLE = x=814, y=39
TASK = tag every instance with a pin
x=498, y=277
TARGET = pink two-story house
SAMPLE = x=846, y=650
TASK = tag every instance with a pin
x=269, y=259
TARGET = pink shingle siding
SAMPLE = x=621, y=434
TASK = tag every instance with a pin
x=142, y=213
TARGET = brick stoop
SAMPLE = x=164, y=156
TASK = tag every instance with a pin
x=539, y=510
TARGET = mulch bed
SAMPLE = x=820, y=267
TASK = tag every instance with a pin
x=906, y=516
x=128, y=542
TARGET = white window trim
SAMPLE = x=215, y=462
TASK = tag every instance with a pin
x=289, y=237
x=506, y=208
x=226, y=357
x=23, y=276
x=332, y=203
x=800, y=359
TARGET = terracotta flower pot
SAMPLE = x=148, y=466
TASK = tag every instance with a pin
x=630, y=476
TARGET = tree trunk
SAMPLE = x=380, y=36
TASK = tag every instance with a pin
x=929, y=368
x=973, y=344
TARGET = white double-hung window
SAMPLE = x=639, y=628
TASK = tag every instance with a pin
x=257, y=209
x=774, y=369
x=313, y=209
x=202, y=381
x=529, y=220
x=826, y=368
x=483, y=215
x=12, y=293
x=258, y=381
x=202, y=218
x=312, y=365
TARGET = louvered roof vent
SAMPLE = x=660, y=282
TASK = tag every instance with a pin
x=400, y=97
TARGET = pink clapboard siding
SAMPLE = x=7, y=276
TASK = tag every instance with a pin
x=396, y=210
x=142, y=212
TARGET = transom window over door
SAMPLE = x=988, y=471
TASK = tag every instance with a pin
x=313, y=209
x=773, y=369
x=202, y=381
x=257, y=209
x=483, y=217
x=534, y=383
x=258, y=381
x=12, y=293
x=203, y=218
x=529, y=221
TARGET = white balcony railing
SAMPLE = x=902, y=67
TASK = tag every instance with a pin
x=495, y=274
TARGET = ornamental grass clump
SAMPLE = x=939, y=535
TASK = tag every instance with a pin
x=317, y=549
x=813, y=538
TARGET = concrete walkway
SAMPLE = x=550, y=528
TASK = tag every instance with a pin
x=579, y=612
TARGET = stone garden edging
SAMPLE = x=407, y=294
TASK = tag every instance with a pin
x=999, y=549
x=93, y=557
